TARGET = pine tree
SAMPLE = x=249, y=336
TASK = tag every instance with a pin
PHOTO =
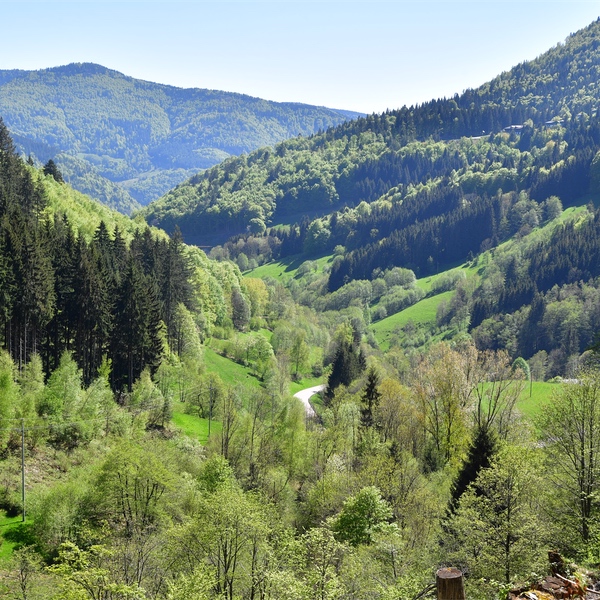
x=370, y=398
x=348, y=364
x=50, y=168
x=136, y=341
x=479, y=456
x=174, y=276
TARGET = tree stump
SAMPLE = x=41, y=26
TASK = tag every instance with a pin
x=449, y=584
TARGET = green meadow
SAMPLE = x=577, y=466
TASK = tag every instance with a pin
x=229, y=371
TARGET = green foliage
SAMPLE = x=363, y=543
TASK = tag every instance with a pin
x=361, y=517
x=500, y=518
x=155, y=137
x=569, y=427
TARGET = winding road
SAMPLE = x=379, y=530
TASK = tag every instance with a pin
x=305, y=395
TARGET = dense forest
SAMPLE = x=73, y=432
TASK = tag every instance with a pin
x=146, y=138
x=415, y=459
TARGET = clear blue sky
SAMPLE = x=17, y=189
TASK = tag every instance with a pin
x=364, y=56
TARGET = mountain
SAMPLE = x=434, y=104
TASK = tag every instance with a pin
x=466, y=147
x=143, y=136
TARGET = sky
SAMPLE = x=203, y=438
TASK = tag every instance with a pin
x=354, y=55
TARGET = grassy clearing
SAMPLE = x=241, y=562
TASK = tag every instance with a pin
x=426, y=283
x=193, y=426
x=541, y=394
x=423, y=312
x=229, y=371
x=287, y=268
x=13, y=534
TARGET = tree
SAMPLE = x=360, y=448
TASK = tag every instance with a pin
x=498, y=525
x=348, y=364
x=197, y=585
x=229, y=531
x=479, y=455
x=361, y=516
x=9, y=393
x=132, y=488
x=443, y=392
x=51, y=169
x=299, y=353
x=370, y=399
x=136, y=339
x=570, y=430
x=90, y=574
x=240, y=309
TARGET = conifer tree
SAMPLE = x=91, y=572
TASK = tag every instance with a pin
x=479, y=456
x=50, y=168
x=370, y=398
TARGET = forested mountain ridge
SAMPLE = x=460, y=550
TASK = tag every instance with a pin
x=397, y=152
x=146, y=137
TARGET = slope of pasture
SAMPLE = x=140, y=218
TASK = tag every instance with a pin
x=194, y=426
x=287, y=268
x=421, y=313
x=230, y=372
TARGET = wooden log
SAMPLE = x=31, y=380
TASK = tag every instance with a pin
x=449, y=584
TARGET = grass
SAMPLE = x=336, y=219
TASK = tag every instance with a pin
x=426, y=283
x=229, y=371
x=193, y=426
x=307, y=382
x=423, y=312
x=541, y=394
x=13, y=534
x=286, y=268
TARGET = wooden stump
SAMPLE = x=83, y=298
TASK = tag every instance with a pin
x=449, y=584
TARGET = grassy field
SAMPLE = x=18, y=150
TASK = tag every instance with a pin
x=193, y=426
x=285, y=269
x=420, y=313
x=13, y=533
x=229, y=371
x=426, y=283
x=541, y=394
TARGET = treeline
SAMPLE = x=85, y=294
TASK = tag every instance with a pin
x=101, y=297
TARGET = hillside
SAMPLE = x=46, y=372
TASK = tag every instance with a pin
x=434, y=155
x=144, y=136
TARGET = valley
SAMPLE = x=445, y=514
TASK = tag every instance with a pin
x=337, y=353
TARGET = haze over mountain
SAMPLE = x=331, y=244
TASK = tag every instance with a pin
x=99, y=125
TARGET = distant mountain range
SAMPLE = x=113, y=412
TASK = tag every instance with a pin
x=126, y=141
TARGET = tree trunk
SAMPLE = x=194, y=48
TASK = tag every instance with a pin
x=449, y=583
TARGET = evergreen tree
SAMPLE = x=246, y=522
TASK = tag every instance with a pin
x=348, y=364
x=479, y=456
x=175, y=281
x=50, y=168
x=136, y=341
x=370, y=398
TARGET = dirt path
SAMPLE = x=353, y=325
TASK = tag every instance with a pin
x=305, y=395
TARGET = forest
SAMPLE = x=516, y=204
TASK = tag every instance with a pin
x=437, y=274
x=523, y=131
x=126, y=141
